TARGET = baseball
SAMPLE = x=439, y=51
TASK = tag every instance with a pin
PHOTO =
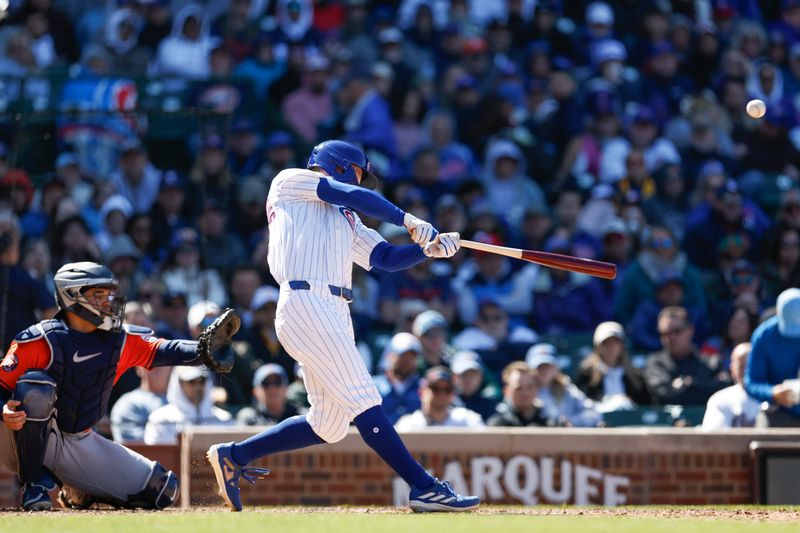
x=756, y=108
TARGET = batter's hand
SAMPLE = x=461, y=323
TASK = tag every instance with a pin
x=443, y=246
x=13, y=419
x=421, y=232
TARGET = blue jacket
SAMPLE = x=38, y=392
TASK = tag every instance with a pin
x=773, y=359
x=396, y=405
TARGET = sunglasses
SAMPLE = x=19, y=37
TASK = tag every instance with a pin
x=493, y=318
x=272, y=383
x=673, y=331
x=664, y=243
x=442, y=389
x=196, y=381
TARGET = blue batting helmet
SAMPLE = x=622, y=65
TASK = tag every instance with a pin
x=336, y=158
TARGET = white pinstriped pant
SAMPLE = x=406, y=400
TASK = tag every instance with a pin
x=316, y=330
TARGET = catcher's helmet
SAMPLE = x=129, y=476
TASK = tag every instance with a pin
x=74, y=279
x=336, y=158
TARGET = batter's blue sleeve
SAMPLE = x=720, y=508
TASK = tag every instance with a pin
x=176, y=352
x=362, y=200
x=393, y=258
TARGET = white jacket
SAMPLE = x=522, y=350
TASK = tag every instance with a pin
x=166, y=422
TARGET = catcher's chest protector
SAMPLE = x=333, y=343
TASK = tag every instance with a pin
x=84, y=366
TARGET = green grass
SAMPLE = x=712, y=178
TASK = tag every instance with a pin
x=362, y=522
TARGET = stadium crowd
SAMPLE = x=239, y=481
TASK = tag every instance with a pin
x=610, y=130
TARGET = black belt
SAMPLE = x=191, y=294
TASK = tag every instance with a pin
x=303, y=285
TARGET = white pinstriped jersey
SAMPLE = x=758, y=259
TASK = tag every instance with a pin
x=310, y=239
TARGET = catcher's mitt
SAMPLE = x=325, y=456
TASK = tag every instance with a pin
x=213, y=346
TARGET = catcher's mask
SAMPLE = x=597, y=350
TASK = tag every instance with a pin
x=74, y=280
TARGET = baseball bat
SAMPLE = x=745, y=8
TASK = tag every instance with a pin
x=591, y=267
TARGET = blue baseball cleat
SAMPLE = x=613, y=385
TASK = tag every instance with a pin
x=35, y=496
x=228, y=472
x=440, y=497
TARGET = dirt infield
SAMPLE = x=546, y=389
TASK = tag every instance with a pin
x=749, y=513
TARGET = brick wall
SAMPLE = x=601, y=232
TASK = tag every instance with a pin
x=619, y=466
x=614, y=466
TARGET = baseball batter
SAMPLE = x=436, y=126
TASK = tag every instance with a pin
x=55, y=382
x=315, y=237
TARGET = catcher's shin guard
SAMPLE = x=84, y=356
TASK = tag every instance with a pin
x=36, y=392
x=160, y=491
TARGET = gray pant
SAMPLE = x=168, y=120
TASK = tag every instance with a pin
x=87, y=462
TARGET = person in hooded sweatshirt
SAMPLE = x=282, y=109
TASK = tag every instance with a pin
x=510, y=191
x=185, y=52
x=114, y=215
x=189, y=403
x=120, y=39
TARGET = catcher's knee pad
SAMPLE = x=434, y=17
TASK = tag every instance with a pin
x=160, y=491
x=36, y=392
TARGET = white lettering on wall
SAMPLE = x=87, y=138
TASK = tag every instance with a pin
x=486, y=472
x=528, y=482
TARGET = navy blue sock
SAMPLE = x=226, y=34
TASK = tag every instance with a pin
x=291, y=434
x=380, y=435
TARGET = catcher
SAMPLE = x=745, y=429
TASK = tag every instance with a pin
x=55, y=383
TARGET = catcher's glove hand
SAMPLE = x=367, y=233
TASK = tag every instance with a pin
x=213, y=346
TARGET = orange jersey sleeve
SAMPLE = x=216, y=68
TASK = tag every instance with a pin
x=138, y=350
x=21, y=357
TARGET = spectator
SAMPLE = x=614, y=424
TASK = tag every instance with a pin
x=72, y=242
x=400, y=382
x=493, y=276
x=122, y=258
x=510, y=190
x=660, y=255
x=236, y=28
x=114, y=216
x=23, y=297
x=643, y=134
x=244, y=157
x=68, y=170
x=172, y=316
x=676, y=375
x=475, y=392
x=157, y=24
x=731, y=407
x=606, y=375
x=562, y=403
x=774, y=367
x=669, y=205
x=131, y=411
x=222, y=250
x=781, y=268
x=189, y=403
x=519, y=407
x=726, y=217
x=494, y=337
x=644, y=324
x=211, y=176
x=16, y=190
x=170, y=210
x=185, y=52
x=312, y=104
x=262, y=68
x=368, y=121
x=269, y=398
x=121, y=41
x=431, y=328
x=456, y=161
x=279, y=154
x=183, y=271
x=135, y=178
x=566, y=302
x=418, y=282
x=37, y=261
x=437, y=395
